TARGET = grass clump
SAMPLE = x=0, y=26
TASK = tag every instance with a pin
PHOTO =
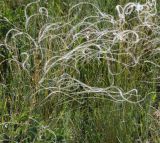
x=85, y=76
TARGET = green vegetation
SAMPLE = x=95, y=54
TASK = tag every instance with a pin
x=78, y=71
